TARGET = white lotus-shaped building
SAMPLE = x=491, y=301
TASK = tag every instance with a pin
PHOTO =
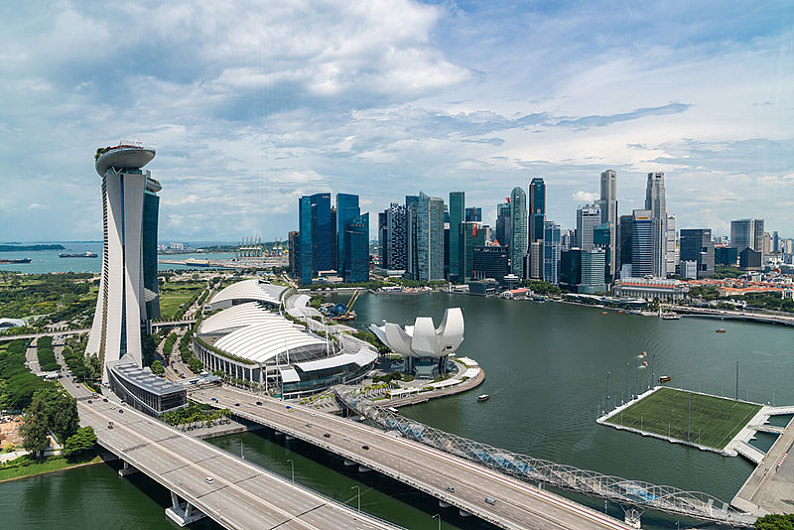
x=423, y=340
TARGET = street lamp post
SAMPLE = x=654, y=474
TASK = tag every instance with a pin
x=438, y=516
x=292, y=468
x=358, y=496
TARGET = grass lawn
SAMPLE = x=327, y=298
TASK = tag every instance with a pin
x=25, y=466
x=714, y=420
x=174, y=294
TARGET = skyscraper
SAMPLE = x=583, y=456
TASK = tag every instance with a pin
x=430, y=238
x=748, y=233
x=518, y=231
x=411, y=217
x=346, y=210
x=356, y=245
x=128, y=263
x=537, y=214
x=551, y=252
x=609, y=214
x=304, y=239
x=593, y=271
x=502, y=232
x=671, y=251
x=474, y=213
x=697, y=245
x=642, y=255
x=656, y=203
x=625, y=229
x=587, y=218
x=457, y=212
x=471, y=236
x=394, y=245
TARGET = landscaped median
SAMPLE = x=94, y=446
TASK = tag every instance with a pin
x=680, y=416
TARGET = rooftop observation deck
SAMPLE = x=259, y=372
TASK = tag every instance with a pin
x=124, y=156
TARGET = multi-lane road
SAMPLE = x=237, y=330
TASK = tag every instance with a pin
x=497, y=498
x=231, y=491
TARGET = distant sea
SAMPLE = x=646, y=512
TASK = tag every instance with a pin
x=46, y=261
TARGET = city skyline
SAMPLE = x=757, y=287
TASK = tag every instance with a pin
x=267, y=105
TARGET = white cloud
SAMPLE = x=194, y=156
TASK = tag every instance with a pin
x=584, y=197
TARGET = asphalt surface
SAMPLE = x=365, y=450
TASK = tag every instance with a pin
x=457, y=481
x=239, y=495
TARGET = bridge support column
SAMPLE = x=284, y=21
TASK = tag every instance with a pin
x=183, y=513
x=127, y=470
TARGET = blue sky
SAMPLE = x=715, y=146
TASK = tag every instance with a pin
x=252, y=104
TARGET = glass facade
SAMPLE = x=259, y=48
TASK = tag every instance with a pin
x=304, y=240
x=537, y=208
x=642, y=244
x=356, y=245
x=518, y=231
x=151, y=210
x=551, y=252
x=346, y=210
x=457, y=209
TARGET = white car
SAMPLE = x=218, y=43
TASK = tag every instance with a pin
x=208, y=480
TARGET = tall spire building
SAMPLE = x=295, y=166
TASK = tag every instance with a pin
x=128, y=296
x=518, y=231
x=655, y=202
x=609, y=215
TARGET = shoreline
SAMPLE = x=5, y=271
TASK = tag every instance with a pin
x=93, y=462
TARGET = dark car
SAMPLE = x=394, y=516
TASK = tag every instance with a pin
x=258, y=402
x=236, y=404
x=327, y=435
x=121, y=411
x=89, y=401
x=365, y=447
x=105, y=400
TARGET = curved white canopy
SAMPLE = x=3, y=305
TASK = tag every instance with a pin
x=423, y=339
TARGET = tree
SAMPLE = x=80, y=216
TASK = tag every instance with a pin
x=775, y=521
x=61, y=410
x=34, y=430
x=83, y=440
x=157, y=368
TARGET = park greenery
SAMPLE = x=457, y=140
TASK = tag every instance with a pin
x=775, y=521
x=372, y=339
x=83, y=440
x=721, y=272
x=51, y=410
x=46, y=355
x=177, y=297
x=67, y=297
x=17, y=384
x=157, y=367
x=186, y=352
x=194, y=413
x=26, y=465
x=83, y=367
x=541, y=287
x=766, y=300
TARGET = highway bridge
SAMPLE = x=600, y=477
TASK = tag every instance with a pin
x=206, y=481
x=495, y=497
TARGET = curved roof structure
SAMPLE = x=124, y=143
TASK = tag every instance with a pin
x=123, y=157
x=249, y=291
x=236, y=317
x=423, y=339
x=263, y=342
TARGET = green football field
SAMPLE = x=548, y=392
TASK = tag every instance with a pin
x=713, y=421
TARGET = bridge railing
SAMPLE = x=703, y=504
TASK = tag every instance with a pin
x=640, y=494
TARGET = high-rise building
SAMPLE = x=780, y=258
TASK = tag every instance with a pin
x=356, y=248
x=472, y=236
x=430, y=238
x=411, y=218
x=502, y=231
x=642, y=255
x=304, y=240
x=491, y=262
x=609, y=215
x=129, y=258
x=571, y=268
x=727, y=256
x=671, y=250
x=587, y=218
x=457, y=213
x=775, y=242
x=655, y=202
x=625, y=225
x=518, y=231
x=747, y=233
x=395, y=243
x=602, y=238
x=697, y=246
x=537, y=208
x=294, y=253
x=750, y=259
x=346, y=210
x=383, y=236
x=474, y=214
x=551, y=252
x=593, y=271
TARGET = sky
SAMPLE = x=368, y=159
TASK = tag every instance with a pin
x=251, y=104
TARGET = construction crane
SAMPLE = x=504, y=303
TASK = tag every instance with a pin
x=343, y=311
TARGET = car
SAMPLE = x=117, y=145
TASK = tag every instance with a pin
x=121, y=411
x=77, y=386
x=95, y=395
x=67, y=375
x=346, y=438
x=313, y=414
x=259, y=403
x=490, y=500
x=208, y=480
x=365, y=447
x=451, y=489
x=113, y=407
x=89, y=401
x=327, y=435
x=308, y=424
x=236, y=404
x=110, y=425
x=214, y=399
x=105, y=400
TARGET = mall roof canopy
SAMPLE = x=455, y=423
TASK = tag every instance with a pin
x=260, y=343
x=236, y=317
x=248, y=291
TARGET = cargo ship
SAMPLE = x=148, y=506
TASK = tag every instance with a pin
x=15, y=260
x=86, y=254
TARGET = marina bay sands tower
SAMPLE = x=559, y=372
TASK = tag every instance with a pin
x=128, y=294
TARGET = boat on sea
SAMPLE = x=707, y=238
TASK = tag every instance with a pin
x=604, y=312
x=86, y=254
x=15, y=260
x=665, y=379
x=721, y=330
x=483, y=397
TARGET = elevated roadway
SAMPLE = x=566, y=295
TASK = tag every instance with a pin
x=492, y=496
